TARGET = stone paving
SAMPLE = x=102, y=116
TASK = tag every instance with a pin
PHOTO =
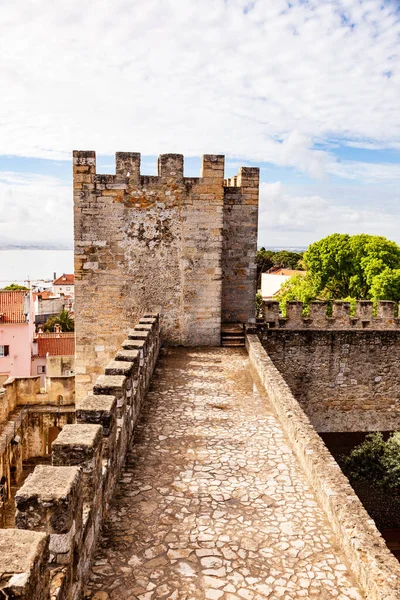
x=212, y=503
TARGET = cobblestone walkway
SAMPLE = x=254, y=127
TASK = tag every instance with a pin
x=212, y=503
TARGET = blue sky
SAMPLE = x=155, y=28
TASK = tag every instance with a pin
x=307, y=90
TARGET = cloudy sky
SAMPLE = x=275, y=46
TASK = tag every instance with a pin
x=307, y=90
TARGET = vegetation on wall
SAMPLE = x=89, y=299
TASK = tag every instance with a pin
x=344, y=267
x=64, y=319
x=259, y=305
x=376, y=461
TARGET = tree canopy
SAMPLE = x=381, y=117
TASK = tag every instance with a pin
x=376, y=460
x=340, y=266
x=64, y=319
x=266, y=259
x=15, y=287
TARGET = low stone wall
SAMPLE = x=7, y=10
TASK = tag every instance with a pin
x=19, y=391
x=68, y=500
x=25, y=391
x=64, y=386
x=376, y=569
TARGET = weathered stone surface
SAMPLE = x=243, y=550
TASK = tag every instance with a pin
x=81, y=445
x=212, y=502
x=342, y=316
x=239, y=271
x=372, y=563
x=134, y=344
x=119, y=367
x=138, y=334
x=128, y=355
x=110, y=385
x=98, y=410
x=164, y=239
x=47, y=500
x=344, y=380
x=24, y=572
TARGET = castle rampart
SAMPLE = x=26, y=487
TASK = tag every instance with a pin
x=60, y=508
x=185, y=247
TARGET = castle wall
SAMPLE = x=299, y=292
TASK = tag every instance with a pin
x=344, y=380
x=156, y=243
x=67, y=501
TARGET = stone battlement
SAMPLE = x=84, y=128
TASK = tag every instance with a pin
x=170, y=168
x=341, y=316
x=67, y=501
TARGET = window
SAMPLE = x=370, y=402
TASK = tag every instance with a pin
x=4, y=350
x=68, y=289
x=41, y=369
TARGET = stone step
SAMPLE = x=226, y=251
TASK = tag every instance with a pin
x=233, y=329
x=233, y=343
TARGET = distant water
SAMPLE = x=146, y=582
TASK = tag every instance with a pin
x=20, y=265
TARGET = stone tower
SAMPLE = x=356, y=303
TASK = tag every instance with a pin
x=184, y=246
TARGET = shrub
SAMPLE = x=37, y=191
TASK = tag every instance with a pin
x=376, y=460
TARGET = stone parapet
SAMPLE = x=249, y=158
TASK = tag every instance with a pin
x=24, y=572
x=66, y=503
x=376, y=569
x=51, y=501
x=343, y=317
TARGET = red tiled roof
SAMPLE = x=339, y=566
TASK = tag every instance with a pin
x=12, y=306
x=283, y=271
x=56, y=344
x=45, y=295
x=65, y=279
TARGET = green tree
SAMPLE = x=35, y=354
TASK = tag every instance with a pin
x=266, y=259
x=298, y=287
x=287, y=260
x=376, y=460
x=264, y=263
x=64, y=319
x=365, y=460
x=15, y=287
x=386, y=285
x=340, y=266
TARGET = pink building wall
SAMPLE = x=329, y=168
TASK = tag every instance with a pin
x=19, y=337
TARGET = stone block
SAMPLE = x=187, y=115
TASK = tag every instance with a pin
x=144, y=327
x=128, y=355
x=114, y=385
x=48, y=499
x=136, y=344
x=24, y=572
x=81, y=445
x=135, y=334
x=97, y=410
x=170, y=166
x=119, y=367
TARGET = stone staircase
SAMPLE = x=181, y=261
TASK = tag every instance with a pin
x=232, y=335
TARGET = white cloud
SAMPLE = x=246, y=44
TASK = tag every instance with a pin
x=193, y=77
x=299, y=215
x=35, y=208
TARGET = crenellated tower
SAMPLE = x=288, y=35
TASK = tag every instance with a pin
x=181, y=246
